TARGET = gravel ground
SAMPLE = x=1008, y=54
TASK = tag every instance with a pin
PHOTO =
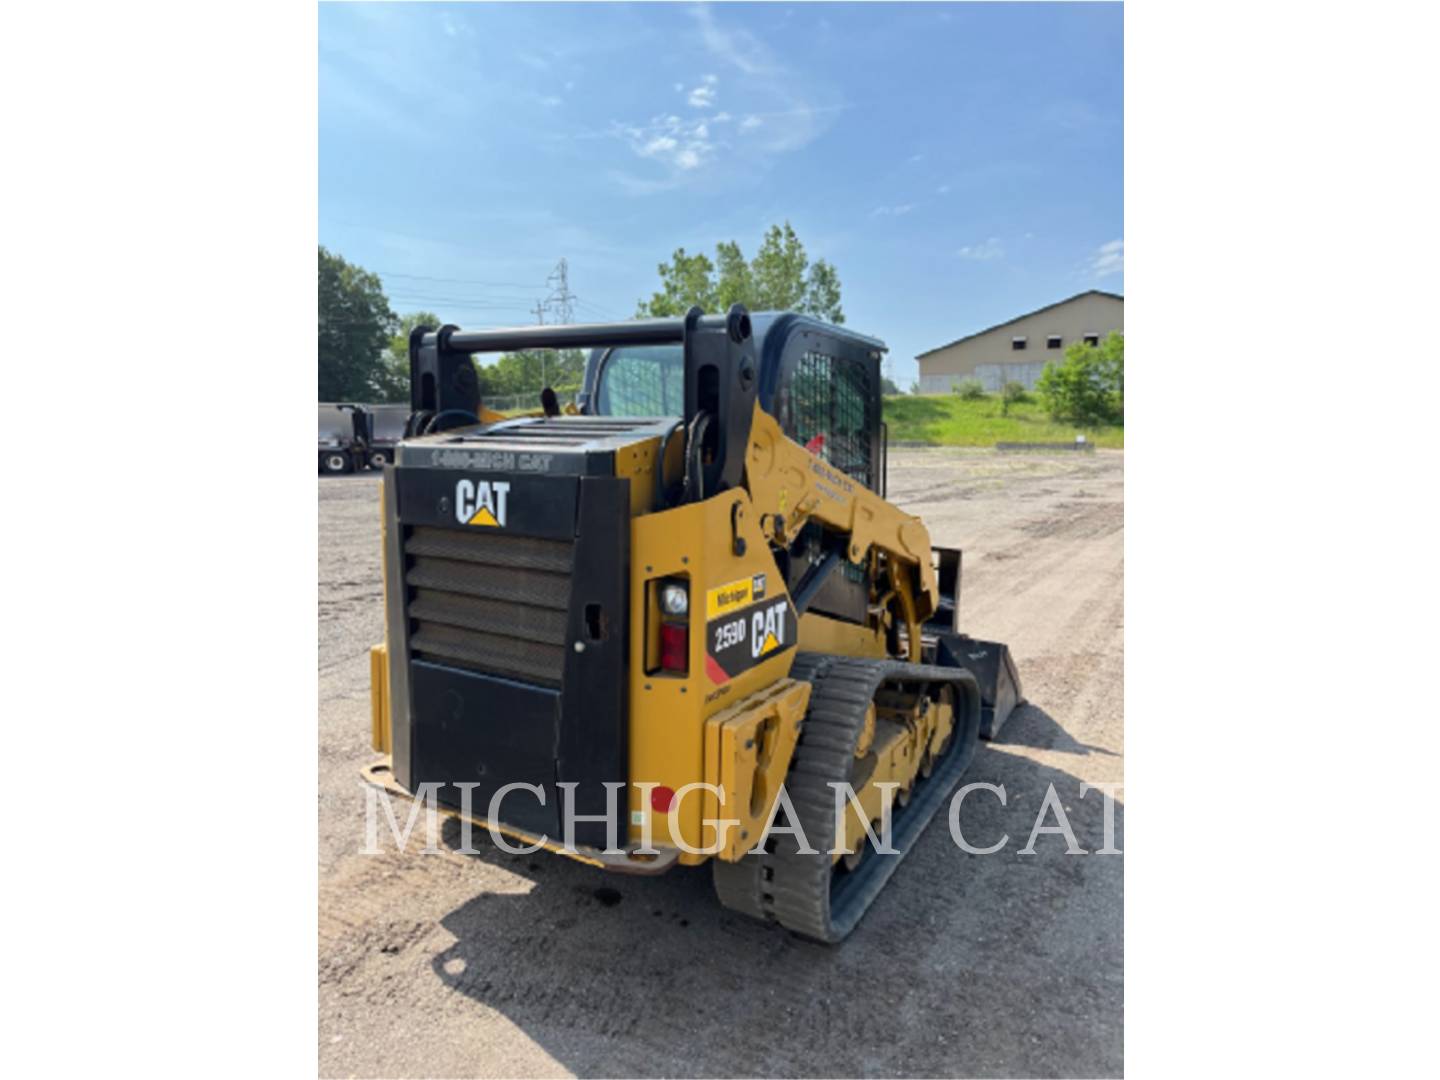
x=1007, y=964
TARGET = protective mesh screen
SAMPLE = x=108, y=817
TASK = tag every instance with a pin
x=830, y=404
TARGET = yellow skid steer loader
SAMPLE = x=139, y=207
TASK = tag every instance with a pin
x=680, y=622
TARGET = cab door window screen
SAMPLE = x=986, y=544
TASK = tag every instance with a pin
x=642, y=380
x=831, y=403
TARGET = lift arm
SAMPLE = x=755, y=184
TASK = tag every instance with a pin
x=790, y=487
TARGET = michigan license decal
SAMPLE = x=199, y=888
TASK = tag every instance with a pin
x=744, y=628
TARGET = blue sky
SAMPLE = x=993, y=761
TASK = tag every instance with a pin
x=959, y=164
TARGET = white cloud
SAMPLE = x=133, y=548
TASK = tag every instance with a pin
x=989, y=249
x=792, y=121
x=644, y=185
x=683, y=144
x=892, y=211
x=778, y=117
x=739, y=47
x=1109, y=259
x=661, y=144
x=702, y=95
x=943, y=189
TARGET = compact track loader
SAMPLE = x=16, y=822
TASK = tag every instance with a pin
x=635, y=632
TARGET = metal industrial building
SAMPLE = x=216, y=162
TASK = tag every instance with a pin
x=1017, y=350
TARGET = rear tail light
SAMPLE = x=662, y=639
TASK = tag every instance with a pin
x=674, y=647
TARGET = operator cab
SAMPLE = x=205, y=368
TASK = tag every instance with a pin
x=821, y=382
x=822, y=385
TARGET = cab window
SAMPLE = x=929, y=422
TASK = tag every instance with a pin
x=642, y=380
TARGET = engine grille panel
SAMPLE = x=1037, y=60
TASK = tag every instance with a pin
x=489, y=602
x=494, y=549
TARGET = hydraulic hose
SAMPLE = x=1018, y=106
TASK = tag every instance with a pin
x=662, y=498
x=430, y=427
x=694, y=452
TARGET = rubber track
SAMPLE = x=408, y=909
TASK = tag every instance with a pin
x=795, y=889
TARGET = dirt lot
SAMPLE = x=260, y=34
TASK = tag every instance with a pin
x=1007, y=964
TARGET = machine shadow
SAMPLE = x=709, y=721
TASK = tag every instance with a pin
x=995, y=964
x=1029, y=725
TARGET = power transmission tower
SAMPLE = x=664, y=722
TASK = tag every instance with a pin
x=561, y=299
x=560, y=294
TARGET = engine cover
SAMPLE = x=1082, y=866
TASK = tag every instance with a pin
x=507, y=590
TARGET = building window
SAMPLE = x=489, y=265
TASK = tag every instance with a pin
x=1053, y=341
x=1017, y=343
x=1092, y=339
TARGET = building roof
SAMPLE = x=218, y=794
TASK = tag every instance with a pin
x=1017, y=318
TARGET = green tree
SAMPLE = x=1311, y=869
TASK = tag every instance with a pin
x=822, y=293
x=736, y=283
x=888, y=387
x=685, y=281
x=394, y=376
x=527, y=373
x=779, y=270
x=779, y=278
x=1088, y=387
x=355, y=327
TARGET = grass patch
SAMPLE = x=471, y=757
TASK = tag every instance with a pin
x=949, y=420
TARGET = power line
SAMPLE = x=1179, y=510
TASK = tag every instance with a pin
x=458, y=281
x=595, y=309
x=560, y=300
x=458, y=301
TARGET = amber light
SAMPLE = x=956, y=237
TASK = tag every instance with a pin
x=674, y=647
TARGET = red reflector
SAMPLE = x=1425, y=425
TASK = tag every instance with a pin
x=674, y=647
x=661, y=797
